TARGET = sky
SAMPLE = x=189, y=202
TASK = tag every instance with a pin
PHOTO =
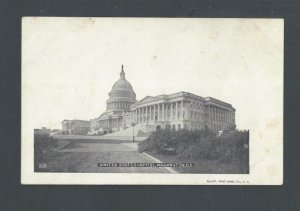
x=69, y=65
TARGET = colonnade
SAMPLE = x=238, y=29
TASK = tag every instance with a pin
x=217, y=114
x=110, y=123
x=160, y=112
x=118, y=105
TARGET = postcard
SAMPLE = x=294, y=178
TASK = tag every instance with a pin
x=170, y=101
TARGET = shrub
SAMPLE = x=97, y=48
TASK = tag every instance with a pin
x=170, y=142
x=42, y=146
x=231, y=146
x=199, y=145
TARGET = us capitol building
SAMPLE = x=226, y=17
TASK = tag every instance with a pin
x=182, y=110
x=176, y=111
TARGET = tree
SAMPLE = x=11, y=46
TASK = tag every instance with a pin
x=230, y=126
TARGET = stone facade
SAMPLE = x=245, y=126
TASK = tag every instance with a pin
x=177, y=111
x=76, y=127
x=42, y=131
x=183, y=110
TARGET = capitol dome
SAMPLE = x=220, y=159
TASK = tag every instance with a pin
x=122, y=83
x=122, y=96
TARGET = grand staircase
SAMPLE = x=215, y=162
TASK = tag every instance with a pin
x=138, y=130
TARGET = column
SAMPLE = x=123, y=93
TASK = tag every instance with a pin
x=176, y=110
x=147, y=113
x=228, y=116
x=140, y=115
x=221, y=115
x=210, y=114
x=163, y=111
x=158, y=112
x=171, y=115
x=134, y=116
x=181, y=109
x=154, y=112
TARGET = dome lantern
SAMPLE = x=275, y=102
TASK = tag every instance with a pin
x=122, y=73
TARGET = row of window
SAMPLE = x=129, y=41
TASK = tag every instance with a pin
x=167, y=116
x=196, y=127
x=221, y=118
x=171, y=127
x=217, y=127
x=196, y=115
x=121, y=94
x=118, y=105
x=82, y=128
x=195, y=105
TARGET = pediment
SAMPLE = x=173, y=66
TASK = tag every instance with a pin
x=104, y=115
x=145, y=100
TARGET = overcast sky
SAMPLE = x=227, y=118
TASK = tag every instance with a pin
x=70, y=64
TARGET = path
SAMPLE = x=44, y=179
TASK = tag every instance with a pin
x=84, y=157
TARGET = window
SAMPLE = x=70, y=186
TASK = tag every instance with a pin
x=173, y=127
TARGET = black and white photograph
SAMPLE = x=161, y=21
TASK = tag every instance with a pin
x=152, y=101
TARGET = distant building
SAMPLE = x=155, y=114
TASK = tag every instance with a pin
x=42, y=131
x=76, y=127
x=174, y=111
